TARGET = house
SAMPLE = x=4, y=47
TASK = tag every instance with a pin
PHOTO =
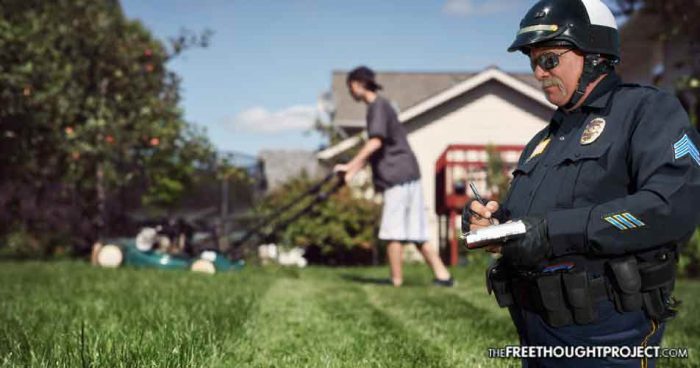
x=450, y=118
x=279, y=166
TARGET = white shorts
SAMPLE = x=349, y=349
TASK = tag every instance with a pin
x=403, y=215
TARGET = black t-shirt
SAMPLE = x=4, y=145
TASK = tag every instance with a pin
x=395, y=162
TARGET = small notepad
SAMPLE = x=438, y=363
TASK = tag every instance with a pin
x=494, y=234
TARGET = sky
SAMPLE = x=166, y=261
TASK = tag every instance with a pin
x=257, y=85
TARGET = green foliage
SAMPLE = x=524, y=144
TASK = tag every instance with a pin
x=689, y=263
x=89, y=112
x=336, y=225
x=677, y=22
x=496, y=177
x=20, y=243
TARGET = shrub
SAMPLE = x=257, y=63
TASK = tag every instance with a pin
x=339, y=230
x=20, y=243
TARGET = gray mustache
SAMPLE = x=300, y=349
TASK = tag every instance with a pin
x=552, y=82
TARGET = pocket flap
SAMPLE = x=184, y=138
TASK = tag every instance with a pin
x=585, y=152
x=627, y=275
x=526, y=167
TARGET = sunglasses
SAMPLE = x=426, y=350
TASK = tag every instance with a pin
x=547, y=61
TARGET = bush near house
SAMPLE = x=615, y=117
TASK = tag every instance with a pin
x=339, y=230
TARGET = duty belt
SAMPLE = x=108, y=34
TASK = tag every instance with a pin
x=557, y=304
x=563, y=298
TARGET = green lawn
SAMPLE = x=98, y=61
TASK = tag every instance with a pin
x=71, y=315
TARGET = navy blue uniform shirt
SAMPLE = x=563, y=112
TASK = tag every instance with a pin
x=619, y=175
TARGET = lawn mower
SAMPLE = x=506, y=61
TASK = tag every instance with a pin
x=153, y=247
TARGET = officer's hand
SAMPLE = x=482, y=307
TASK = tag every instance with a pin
x=532, y=248
x=475, y=216
x=480, y=215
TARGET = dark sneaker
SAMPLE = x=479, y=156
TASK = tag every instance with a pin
x=446, y=283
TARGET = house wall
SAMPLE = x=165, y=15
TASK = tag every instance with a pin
x=491, y=113
x=282, y=165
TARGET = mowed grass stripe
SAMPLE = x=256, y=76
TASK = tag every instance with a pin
x=460, y=330
x=289, y=329
x=72, y=315
x=383, y=337
x=68, y=314
x=313, y=322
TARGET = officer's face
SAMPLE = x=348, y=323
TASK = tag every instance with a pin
x=560, y=82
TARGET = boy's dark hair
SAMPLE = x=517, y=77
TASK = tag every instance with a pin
x=365, y=76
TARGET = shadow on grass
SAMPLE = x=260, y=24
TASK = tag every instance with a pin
x=366, y=280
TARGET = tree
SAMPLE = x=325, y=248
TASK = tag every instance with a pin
x=677, y=23
x=88, y=111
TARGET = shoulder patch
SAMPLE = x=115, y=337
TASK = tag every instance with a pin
x=541, y=147
x=686, y=147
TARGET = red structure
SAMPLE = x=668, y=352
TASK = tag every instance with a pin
x=456, y=167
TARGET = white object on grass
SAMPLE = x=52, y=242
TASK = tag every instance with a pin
x=110, y=256
x=203, y=266
x=146, y=238
x=208, y=255
x=293, y=257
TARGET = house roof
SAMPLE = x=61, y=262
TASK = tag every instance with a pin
x=404, y=89
x=528, y=86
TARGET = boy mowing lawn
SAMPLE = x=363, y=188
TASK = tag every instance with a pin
x=395, y=172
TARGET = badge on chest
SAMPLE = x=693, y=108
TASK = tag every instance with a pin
x=593, y=130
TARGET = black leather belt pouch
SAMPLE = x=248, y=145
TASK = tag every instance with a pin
x=551, y=296
x=579, y=296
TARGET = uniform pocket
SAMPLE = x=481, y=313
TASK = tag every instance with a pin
x=521, y=172
x=582, y=171
x=589, y=152
x=526, y=167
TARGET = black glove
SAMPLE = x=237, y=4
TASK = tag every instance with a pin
x=466, y=213
x=501, y=215
x=532, y=248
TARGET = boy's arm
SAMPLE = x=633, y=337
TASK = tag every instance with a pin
x=358, y=162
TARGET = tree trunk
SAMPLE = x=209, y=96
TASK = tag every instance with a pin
x=101, y=200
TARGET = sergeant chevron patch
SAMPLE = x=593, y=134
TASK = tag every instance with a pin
x=624, y=221
x=686, y=147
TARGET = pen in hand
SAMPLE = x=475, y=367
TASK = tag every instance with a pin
x=478, y=198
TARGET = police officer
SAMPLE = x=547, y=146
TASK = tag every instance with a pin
x=607, y=191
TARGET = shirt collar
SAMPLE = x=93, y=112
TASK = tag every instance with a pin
x=598, y=99
x=600, y=96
